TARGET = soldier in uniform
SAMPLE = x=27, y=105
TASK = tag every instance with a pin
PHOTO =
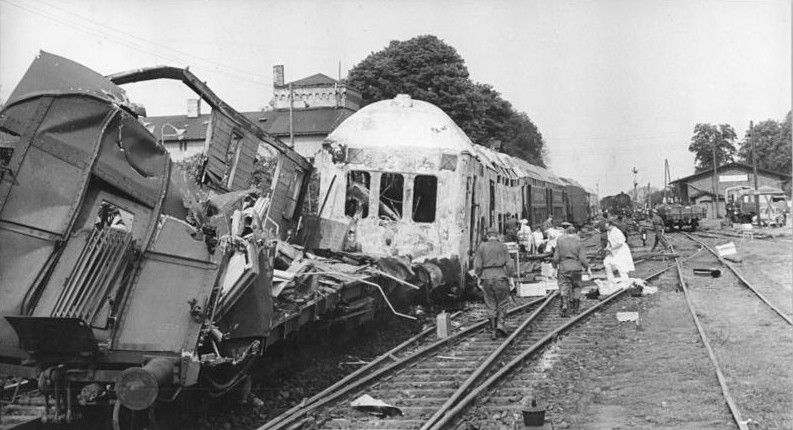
x=658, y=226
x=494, y=268
x=570, y=259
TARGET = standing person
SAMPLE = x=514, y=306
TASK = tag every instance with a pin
x=493, y=267
x=524, y=236
x=511, y=229
x=547, y=224
x=618, y=254
x=658, y=226
x=569, y=259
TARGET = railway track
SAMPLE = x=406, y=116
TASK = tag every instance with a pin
x=728, y=336
x=433, y=387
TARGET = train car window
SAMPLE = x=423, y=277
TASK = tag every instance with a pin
x=356, y=203
x=425, y=195
x=391, y=190
x=295, y=186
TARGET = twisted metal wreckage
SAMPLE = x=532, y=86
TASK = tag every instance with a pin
x=122, y=281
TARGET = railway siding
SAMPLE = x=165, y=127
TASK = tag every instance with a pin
x=753, y=344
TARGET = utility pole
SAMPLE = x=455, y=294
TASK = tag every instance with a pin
x=291, y=117
x=666, y=179
x=635, y=183
x=715, y=180
x=754, y=168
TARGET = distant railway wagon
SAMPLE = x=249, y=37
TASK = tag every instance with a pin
x=679, y=216
x=399, y=177
x=577, y=202
x=620, y=204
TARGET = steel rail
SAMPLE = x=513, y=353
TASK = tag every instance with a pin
x=461, y=405
x=330, y=396
x=742, y=279
x=487, y=363
x=389, y=354
x=725, y=391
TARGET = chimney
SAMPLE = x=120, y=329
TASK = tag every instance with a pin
x=278, y=75
x=193, y=108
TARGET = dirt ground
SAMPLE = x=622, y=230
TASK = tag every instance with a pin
x=753, y=345
x=652, y=375
x=768, y=265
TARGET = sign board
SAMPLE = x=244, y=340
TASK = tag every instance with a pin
x=734, y=178
x=726, y=249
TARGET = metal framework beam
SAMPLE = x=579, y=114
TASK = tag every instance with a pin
x=201, y=88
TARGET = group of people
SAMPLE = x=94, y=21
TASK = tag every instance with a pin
x=533, y=242
x=494, y=268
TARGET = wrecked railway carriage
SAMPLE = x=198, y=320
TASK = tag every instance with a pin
x=400, y=178
x=122, y=282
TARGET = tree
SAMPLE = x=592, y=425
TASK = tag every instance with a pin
x=705, y=137
x=773, y=143
x=428, y=69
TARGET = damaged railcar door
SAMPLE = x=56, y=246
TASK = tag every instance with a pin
x=231, y=149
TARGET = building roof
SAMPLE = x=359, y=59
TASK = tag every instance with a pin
x=314, y=80
x=733, y=164
x=307, y=122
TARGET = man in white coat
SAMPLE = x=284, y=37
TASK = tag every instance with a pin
x=618, y=254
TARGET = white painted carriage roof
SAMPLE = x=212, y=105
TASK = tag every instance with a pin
x=401, y=123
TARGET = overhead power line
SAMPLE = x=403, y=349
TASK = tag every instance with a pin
x=104, y=34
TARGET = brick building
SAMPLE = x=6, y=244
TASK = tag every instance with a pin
x=320, y=104
x=698, y=187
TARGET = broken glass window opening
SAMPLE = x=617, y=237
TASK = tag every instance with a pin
x=425, y=194
x=357, y=199
x=391, y=191
x=8, y=141
x=112, y=216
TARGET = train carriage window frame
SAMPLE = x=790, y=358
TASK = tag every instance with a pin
x=391, y=198
x=356, y=199
x=425, y=198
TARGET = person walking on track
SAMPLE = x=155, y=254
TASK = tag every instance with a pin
x=570, y=260
x=658, y=226
x=494, y=268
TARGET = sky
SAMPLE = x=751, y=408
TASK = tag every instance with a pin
x=611, y=85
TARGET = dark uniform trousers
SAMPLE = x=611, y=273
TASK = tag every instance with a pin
x=658, y=226
x=496, y=295
x=569, y=286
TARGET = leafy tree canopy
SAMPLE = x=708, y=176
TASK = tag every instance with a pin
x=773, y=143
x=705, y=137
x=428, y=69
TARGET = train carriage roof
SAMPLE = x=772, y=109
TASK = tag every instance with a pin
x=401, y=123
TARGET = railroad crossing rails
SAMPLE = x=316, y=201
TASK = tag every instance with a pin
x=434, y=385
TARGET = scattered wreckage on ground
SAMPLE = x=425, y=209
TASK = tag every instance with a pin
x=126, y=284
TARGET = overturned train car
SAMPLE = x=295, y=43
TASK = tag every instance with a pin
x=400, y=178
x=120, y=282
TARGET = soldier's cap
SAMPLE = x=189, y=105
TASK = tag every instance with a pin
x=524, y=221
